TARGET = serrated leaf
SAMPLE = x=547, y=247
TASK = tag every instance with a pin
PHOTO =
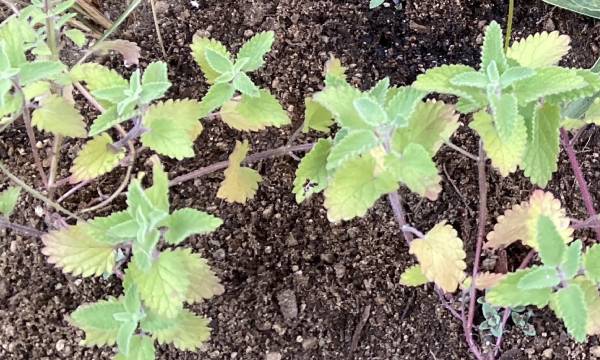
x=487, y=280
x=76, y=251
x=520, y=222
x=591, y=263
x=592, y=300
x=508, y=294
x=548, y=81
x=416, y=170
x=240, y=183
x=255, y=49
x=173, y=128
x=515, y=74
x=570, y=306
x=540, y=50
x=199, y=47
x=506, y=156
x=108, y=119
x=572, y=260
x=186, y=222
x=130, y=51
x=204, y=284
x=551, y=246
x=413, y=276
x=40, y=70
x=155, y=82
x=244, y=85
x=493, y=47
x=141, y=348
x=216, y=97
x=439, y=80
x=77, y=37
x=97, y=321
x=59, y=116
x=352, y=145
x=541, y=156
x=158, y=193
x=592, y=86
x=100, y=227
x=539, y=277
x=355, y=187
x=335, y=73
x=187, y=331
x=403, y=104
x=506, y=115
x=95, y=159
x=125, y=335
x=441, y=256
x=254, y=113
x=316, y=117
x=380, y=91
x=144, y=211
x=370, y=111
x=311, y=175
x=339, y=101
x=217, y=61
x=474, y=79
x=97, y=77
x=8, y=200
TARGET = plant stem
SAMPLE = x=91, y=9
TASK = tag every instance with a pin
x=509, y=24
x=11, y=6
x=461, y=151
x=396, y=204
x=51, y=31
x=58, y=140
x=483, y=212
x=281, y=151
x=583, y=186
x=26, y=230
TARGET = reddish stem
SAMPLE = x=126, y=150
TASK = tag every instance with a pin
x=583, y=186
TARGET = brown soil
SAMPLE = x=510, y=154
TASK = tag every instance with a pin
x=272, y=247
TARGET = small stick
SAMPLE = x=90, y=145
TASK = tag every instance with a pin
x=26, y=230
x=395, y=203
x=157, y=28
x=461, y=151
x=359, y=328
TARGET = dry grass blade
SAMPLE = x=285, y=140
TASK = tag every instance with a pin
x=158, y=33
x=86, y=9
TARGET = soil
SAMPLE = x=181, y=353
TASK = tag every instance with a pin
x=296, y=285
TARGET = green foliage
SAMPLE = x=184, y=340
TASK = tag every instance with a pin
x=585, y=7
x=375, y=3
x=8, y=200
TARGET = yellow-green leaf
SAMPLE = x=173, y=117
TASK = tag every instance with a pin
x=240, y=183
x=254, y=113
x=95, y=159
x=187, y=331
x=539, y=50
x=413, y=276
x=58, y=116
x=199, y=46
x=8, y=200
x=97, y=321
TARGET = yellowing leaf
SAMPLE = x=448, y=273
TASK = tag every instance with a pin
x=58, y=116
x=254, y=113
x=95, y=159
x=441, y=256
x=520, y=222
x=187, y=331
x=97, y=77
x=204, y=284
x=240, y=183
x=539, y=50
x=413, y=276
x=316, y=117
x=97, y=320
x=488, y=280
x=76, y=251
x=592, y=299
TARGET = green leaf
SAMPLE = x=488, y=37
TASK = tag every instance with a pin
x=370, y=111
x=355, y=187
x=186, y=222
x=77, y=37
x=506, y=115
x=570, y=306
x=354, y=144
x=204, y=284
x=141, y=348
x=585, y=7
x=493, y=47
x=474, y=79
x=217, y=96
x=125, y=335
x=217, y=61
x=375, y=3
x=312, y=175
x=551, y=244
x=508, y=294
x=416, y=169
x=335, y=73
x=58, y=116
x=40, y=70
x=240, y=183
x=380, y=91
x=108, y=119
x=591, y=263
x=572, y=260
x=244, y=84
x=316, y=117
x=543, y=147
x=199, y=47
x=255, y=49
x=548, y=81
x=403, y=104
x=592, y=87
x=158, y=193
x=439, y=79
x=100, y=227
x=77, y=251
x=173, y=128
x=97, y=77
x=187, y=331
x=95, y=159
x=515, y=74
x=17, y=34
x=255, y=113
x=97, y=320
x=8, y=200
x=540, y=50
x=413, y=276
x=592, y=299
x=430, y=125
x=142, y=209
x=340, y=102
x=155, y=82
x=539, y=277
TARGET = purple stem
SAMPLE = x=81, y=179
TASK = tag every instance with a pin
x=25, y=230
x=583, y=186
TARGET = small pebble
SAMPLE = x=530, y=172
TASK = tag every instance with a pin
x=288, y=304
x=60, y=345
x=548, y=353
x=272, y=356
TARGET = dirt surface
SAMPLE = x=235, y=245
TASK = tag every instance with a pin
x=296, y=285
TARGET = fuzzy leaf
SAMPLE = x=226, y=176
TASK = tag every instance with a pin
x=592, y=300
x=430, y=125
x=97, y=77
x=316, y=117
x=155, y=82
x=548, y=81
x=403, y=104
x=98, y=322
x=255, y=49
x=108, y=119
x=493, y=47
x=439, y=80
x=506, y=115
x=541, y=156
x=76, y=251
x=141, y=348
x=474, y=79
x=204, y=284
x=339, y=101
x=487, y=280
x=380, y=91
x=572, y=259
x=187, y=331
x=441, y=256
x=515, y=74
x=335, y=73
x=354, y=144
x=254, y=113
x=311, y=175
x=240, y=183
x=216, y=97
x=8, y=200
x=244, y=85
x=591, y=263
x=58, y=116
x=76, y=36
x=218, y=62
x=100, y=227
x=40, y=70
x=95, y=159
x=199, y=46
x=539, y=277
x=570, y=306
x=158, y=193
x=508, y=294
x=186, y=222
x=355, y=187
x=370, y=111
x=550, y=243
x=540, y=50
x=413, y=276
x=506, y=156
x=416, y=170
x=173, y=128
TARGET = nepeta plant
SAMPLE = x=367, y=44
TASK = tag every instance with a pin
x=516, y=97
x=157, y=281
x=493, y=319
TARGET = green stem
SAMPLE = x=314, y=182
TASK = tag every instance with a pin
x=51, y=31
x=509, y=23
